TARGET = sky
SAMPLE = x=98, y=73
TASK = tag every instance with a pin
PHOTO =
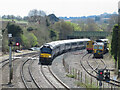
x=68, y=8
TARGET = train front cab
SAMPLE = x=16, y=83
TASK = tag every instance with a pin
x=45, y=61
x=89, y=46
x=45, y=57
x=98, y=51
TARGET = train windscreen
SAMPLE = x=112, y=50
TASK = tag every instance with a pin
x=46, y=50
x=95, y=47
x=100, y=47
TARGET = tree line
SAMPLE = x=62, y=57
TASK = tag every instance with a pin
x=115, y=46
x=39, y=30
x=32, y=13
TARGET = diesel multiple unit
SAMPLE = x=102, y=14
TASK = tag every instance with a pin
x=89, y=46
x=99, y=48
x=50, y=50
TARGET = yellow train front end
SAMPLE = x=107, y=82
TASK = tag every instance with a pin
x=98, y=50
x=45, y=57
x=89, y=46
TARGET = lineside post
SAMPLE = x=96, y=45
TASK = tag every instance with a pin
x=10, y=59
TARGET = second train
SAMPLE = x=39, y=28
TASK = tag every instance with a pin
x=98, y=47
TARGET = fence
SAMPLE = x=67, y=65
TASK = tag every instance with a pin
x=83, y=78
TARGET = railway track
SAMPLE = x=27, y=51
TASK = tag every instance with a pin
x=99, y=66
x=94, y=69
x=51, y=78
x=6, y=61
x=16, y=62
x=27, y=76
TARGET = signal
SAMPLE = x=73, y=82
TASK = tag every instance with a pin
x=100, y=75
x=107, y=76
x=17, y=44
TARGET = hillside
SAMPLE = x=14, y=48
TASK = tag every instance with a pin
x=104, y=21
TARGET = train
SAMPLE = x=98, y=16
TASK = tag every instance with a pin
x=89, y=46
x=50, y=50
x=100, y=48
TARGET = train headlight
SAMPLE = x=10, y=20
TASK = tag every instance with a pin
x=49, y=56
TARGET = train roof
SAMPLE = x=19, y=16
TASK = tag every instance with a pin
x=54, y=44
x=104, y=40
x=99, y=43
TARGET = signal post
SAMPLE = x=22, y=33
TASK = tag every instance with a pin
x=100, y=77
x=103, y=76
x=119, y=30
x=10, y=59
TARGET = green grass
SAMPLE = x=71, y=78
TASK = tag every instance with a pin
x=80, y=84
x=87, y=85
x=70, y=75
x=22, y=21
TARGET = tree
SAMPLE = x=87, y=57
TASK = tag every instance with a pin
x=35, y=12
x=25, y=42
x=32, y=39
x=112, y=21
x=91, y=25
x=30, y=29
x=19, y=18
x=114, y=44
x=75, y=26
x=119, y=53
x=41, y=13
x=53, y=34
x=14, y=29
x=25, y=18
x=64, y=29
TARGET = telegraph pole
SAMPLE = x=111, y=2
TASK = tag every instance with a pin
x=118, y=32
x=10, y=59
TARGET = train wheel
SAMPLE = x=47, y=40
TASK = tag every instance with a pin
x=41, y=63
x=50, y=63
x=102, y=56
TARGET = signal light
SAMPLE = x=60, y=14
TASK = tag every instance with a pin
x=17, y=44
x=107, y=76
x=100, y=75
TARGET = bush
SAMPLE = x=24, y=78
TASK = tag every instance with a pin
x=29, y=29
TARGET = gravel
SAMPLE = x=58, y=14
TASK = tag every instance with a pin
x=58, y=69
x=73, y=60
